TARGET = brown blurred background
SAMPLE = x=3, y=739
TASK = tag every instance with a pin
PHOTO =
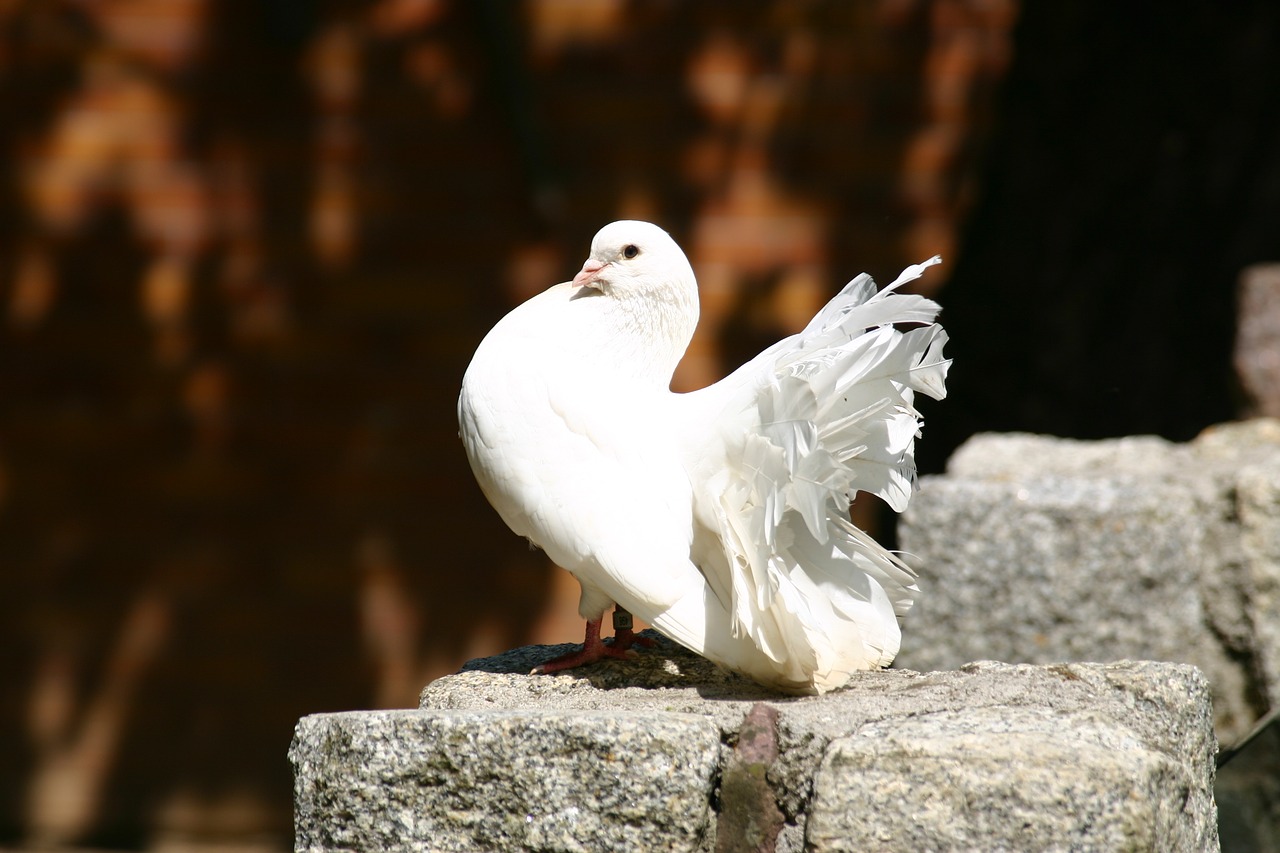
x=247, y=247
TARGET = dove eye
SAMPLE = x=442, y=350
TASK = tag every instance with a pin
x=630, y=251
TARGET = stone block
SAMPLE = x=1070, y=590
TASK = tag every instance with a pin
x=1037, y=549
x=668, y=753
x=518, y=780
x=1257, y=493
x=1048, y=780
x=1257, y=346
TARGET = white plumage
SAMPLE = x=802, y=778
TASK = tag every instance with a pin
x=719, y=516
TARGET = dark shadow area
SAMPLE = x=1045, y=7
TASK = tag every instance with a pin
x=1133, y=172
x=665, y=665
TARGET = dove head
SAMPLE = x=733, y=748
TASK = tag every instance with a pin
x=635, y=256
x=638, y=268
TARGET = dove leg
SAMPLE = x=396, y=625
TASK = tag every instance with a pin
x=595, y=649
x=624, y=637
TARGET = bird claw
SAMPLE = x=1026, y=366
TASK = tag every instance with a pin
x=594, y=649
x=584, y=656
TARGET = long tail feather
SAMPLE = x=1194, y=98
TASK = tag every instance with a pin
x=828, y=412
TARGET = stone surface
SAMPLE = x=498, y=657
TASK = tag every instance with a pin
x=1257, y=492
x=1073, y=756
x=1049, y=778
x=1038, y=549
x=1257, y=347
x=482, y=780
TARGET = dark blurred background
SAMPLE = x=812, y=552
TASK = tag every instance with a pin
x=247, y=248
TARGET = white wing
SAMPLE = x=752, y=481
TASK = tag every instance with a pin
x=798, y=429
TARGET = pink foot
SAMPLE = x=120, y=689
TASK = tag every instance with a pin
x=595, y=649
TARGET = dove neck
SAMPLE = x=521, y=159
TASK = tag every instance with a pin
x=648, y=334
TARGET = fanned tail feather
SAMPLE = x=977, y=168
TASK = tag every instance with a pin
x=836, y=412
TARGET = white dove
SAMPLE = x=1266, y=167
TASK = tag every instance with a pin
x=719, y=516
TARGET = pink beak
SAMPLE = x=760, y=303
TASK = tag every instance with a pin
x=587, y=276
